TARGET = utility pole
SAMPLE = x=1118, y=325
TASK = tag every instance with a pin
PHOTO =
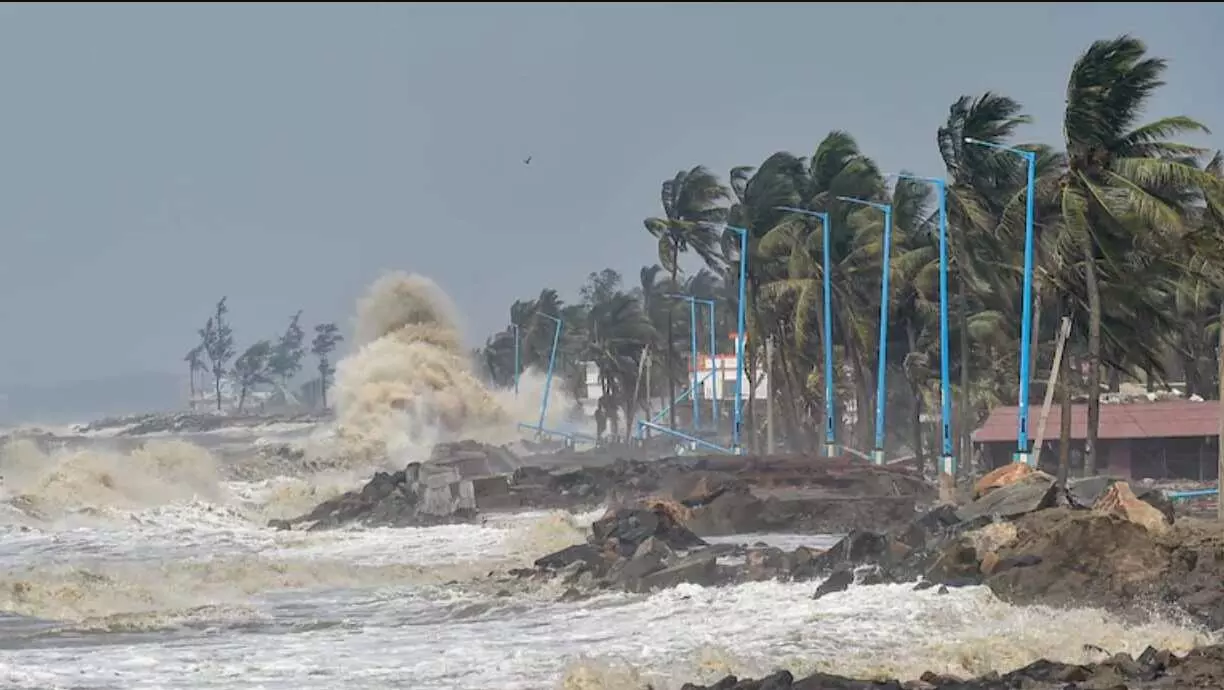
x=1051, y=383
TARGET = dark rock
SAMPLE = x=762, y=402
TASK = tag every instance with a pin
x=629, y=527
x=416, y=495
x=1029, y=495
x=838, y=581
x=1201, y=669
x=698, y=569
x=578, y=553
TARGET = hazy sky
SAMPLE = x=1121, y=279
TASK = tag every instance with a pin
x=154, y=158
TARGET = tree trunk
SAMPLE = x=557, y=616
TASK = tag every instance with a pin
x=242, y=393
x=217, y=387
x=862, y=390
x=1094, y=357
x=916, y=416
x=671, y=342
x=965, y=411
x=191, y=378
x=323, y=384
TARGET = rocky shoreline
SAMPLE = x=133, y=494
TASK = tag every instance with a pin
x=722, y=495
x=1153, y=669
x=1095, y=543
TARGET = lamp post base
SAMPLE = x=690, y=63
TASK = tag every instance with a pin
x=1025, y=458
x=947, y=479
x=877, y=456
x=830, y=450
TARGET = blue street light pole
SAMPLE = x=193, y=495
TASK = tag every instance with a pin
x=693, y=392
x=514, y=327
x=948, y=466
x=738, y=405
x=714, y=368
x=552, y=361
x=830, y=428
x=1023, y=453
x=877, y=453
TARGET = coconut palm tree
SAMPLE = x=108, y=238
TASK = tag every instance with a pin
x=1111, y=208
x=690, y=199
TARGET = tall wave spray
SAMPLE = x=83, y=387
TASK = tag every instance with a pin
x=409, y=382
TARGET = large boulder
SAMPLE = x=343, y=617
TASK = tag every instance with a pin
x=1119, y=500
x=1028, y=492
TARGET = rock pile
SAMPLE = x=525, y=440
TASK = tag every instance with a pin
x=1095, y=544
x=415, y=496
x=724, y=495
x=647, y=548
x=1202, y=668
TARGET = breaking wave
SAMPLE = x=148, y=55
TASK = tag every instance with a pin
x=53, y=484
x=409, y=383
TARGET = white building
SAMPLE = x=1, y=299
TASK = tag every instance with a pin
x=715, y=376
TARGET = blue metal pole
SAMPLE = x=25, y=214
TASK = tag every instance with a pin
x=830, y=415
x=693, y=364
x=1026, y=327
x=1026, y=321
x=552, y=361
x=881, y=399
x=877, y=453
x=948, y=465
x=739, y=340
x=945, y=394
x=827, y=287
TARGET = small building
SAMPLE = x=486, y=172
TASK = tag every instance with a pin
x=1169, y=439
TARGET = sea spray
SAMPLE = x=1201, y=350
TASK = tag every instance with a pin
x=157, y=473
x=409, y=382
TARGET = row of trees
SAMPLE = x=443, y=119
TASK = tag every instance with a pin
x=1130, y=246
x=265, y=362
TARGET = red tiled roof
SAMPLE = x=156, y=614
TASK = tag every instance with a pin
x=1164, y=419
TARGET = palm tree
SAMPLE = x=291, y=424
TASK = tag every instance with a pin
x=1111, y=205
x=978, y=181
x=195, y=363
x=619, y=331
x=689, y=200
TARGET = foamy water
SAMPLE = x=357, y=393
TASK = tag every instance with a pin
x=197, y=595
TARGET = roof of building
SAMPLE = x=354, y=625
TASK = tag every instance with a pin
x=1138, y=420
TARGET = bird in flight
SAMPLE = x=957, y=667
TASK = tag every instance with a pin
x=527, y=160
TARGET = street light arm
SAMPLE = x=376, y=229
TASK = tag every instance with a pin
x=863, y=202
x=1000, y=147
x=548, y=316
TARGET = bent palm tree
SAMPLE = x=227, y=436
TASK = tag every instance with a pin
x=689, y=199
x=1111, y=205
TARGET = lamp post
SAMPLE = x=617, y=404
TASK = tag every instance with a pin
x=948, y=464
x=693, y=302
x=1023, y=453
x=738, y=405
x=515, y=329
x=830, y=427
x=877, y=453
x=552, y=361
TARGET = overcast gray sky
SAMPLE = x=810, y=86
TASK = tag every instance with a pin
x=153, y=158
